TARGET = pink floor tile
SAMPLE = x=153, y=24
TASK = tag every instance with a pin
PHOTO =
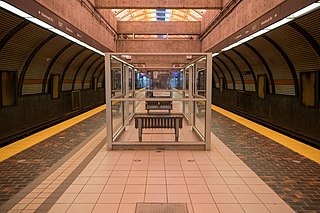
x=179, y=198
x=253, y=208
x=247, y=174
x=205, y=208
x=224, y=198
x=252, y=180
x=154, y=189
x=177, y=189
x=156, y=166
x=192, y=173
x=98, y=180
x=109, y=198
x=127, y=208
x=228, y=173
x=195, y=181
x=156, y=174
x=261, y=189
x=66, y=198
x=227, y=208
x=240, y=189
x=161, y=198
x=198, y=189
x=109, y=189
x=74, y=189
x=279, y=208
x=92, y=189
x=80, y=208
x=138, y=173
x=120, y=174
x=233, y=180
x=86, y=198
x=201, y=198
x=156, y=180
x=247, y=198
x=59, y=208
x=117, y=180
x=81, y=180
x=270, y=198
x=207, y=174
x=103, y=173
x=132, y=198
x=173, y=168
x=175, y=180
x=135, y=189
x=214, y=180
x=137, y=180
x=103, y=208
x=174, y=174
x=219, y=189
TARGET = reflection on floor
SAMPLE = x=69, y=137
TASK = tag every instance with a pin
x=158, y=135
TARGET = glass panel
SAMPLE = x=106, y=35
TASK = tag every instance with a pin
x=131, y=105
x=117, y=116
x=116, y=76
x=200, y=115
x=130, y=75
x=200, y=77
x=186, y=106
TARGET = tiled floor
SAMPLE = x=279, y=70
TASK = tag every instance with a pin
x=95, y=180
x=208, y=181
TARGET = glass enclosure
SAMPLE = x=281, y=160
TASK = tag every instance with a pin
x=144, y=84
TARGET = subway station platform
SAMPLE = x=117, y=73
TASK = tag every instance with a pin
x=67, y=168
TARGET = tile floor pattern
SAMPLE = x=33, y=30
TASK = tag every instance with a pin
x=208, y=181
x=21, y=169
x=295, y=178
x=215, y=181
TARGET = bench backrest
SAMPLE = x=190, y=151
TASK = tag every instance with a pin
x=158, y=122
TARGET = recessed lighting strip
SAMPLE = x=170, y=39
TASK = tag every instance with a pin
x=42, y=24
x=295, y=15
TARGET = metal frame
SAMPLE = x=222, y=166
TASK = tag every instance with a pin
x=288, y=61
x=110, y=136
x=249, y=66
x=79, y=68
x=52, y=62
x=29, y=60
x=265, y=64
x=229, y=71
x=238, y=69
x=66, y=68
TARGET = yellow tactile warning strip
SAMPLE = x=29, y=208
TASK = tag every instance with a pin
x=297, y=146
x=18, y=146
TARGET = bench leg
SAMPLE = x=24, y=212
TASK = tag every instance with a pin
x=140, y=130
x=176, y=130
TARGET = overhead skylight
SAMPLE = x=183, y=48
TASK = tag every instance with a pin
x=158, y=14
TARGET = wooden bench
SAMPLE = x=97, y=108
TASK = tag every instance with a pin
x=159, y=105
x=164, y=121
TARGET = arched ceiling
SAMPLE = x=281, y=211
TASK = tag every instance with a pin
x=158, y=14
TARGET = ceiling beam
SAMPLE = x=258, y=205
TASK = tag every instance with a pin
x=158, y=4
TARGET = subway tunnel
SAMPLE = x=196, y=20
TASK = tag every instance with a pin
x=56, y=99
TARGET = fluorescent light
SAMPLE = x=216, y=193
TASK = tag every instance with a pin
x=278, y=24
x=46, y=26
x=289, y=18
x=231, y=46
x=305, y=10
x=14, y=10
x=214, y=54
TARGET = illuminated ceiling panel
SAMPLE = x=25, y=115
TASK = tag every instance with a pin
x=158, y=14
